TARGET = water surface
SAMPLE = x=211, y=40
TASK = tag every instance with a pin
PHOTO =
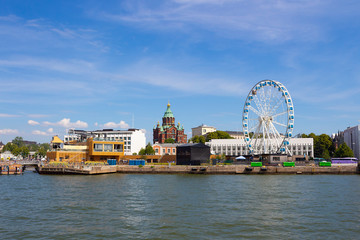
x=121, y=206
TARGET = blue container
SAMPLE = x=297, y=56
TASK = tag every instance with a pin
x=136, y=162
x=111, y=162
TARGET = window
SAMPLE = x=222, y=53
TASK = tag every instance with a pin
x=168, y=150
x=108, y=147
x=118, y=147
x=276, y=158
x=156, y=150
x=163, y=150
x=98, y=147
x=174, y=150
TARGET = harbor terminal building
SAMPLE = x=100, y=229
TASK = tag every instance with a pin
x=98, y=150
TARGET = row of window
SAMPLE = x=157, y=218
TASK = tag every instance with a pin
x=164, y=150
x=108, y=147
x=115, y=138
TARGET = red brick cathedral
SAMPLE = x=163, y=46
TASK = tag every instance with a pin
x=168, y=129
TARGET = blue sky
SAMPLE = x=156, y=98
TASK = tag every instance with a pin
x=95, y=64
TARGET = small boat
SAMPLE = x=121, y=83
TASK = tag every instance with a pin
x=11, y=169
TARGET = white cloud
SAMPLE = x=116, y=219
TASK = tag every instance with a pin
x=121, y=124
x=38, y=132
x=66, y=123
x=96, y=124
x=5, y=115
x=48, y=132
x=38, y=115
x=9, y=131
x=33, y=123
x=263, y=20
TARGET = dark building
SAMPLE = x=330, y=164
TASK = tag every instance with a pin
x=168, y=129
x=192, y=154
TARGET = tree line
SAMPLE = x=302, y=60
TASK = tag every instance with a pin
x=325, y=147
x=17, y=147
x=212, y=135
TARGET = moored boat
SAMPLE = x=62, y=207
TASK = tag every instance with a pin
x=11, y=169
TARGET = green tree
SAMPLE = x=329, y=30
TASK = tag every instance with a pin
x=217, y=135
x=18, y=141
x=33, y=147
x=9, y=147
x=142, y=152
x=24, y=151
x=149, y=150
x=198, y=139
x=344, y=151
x=16, y=150
x=322, y=143
x=169, y=140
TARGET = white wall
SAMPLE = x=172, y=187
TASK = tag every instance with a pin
x=138, y=141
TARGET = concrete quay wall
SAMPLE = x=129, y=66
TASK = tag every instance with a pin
x=236, y=169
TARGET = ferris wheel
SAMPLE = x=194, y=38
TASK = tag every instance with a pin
x=268, y=118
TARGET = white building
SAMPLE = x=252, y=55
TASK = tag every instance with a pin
x=134, y=139
x=352, y=139
x=237, y=147
x=7, y=155
x=202, y=130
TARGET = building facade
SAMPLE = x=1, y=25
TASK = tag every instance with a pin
x=91, y=150
x=202, y=130
x=238, y=147
x=236, y=134
x=352, y=139
x=165, y=148
x=168, y=129
x=134, y=139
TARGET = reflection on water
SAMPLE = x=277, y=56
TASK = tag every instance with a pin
x=179, y=207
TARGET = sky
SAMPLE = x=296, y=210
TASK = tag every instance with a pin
x=116, y=64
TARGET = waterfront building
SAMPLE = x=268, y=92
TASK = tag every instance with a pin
x=134, y=139
x=90, y=150
x=202, y=130
x=165, y=148
x=352, y=139
x=168, y=129
x=237, y=147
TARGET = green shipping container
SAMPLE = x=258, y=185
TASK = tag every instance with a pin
x=325, y=164
x=256, y=164
x=288, y=164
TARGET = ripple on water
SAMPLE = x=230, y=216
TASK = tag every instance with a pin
x=123, y=206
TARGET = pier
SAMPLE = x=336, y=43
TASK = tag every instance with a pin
x=179, y=169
